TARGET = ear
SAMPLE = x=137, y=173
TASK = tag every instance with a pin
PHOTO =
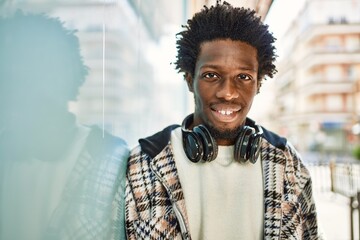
x=189, y=81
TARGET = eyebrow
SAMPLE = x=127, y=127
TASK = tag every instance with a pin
x=217, y=66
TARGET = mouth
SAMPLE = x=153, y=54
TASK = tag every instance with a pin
x=225, y=114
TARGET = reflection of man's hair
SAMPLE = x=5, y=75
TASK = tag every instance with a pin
x=223, y=21
x=37, y=52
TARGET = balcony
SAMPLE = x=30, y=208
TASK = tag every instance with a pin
x=320, y=30
x=314, y=59
x=313, y=115
x=320, y=86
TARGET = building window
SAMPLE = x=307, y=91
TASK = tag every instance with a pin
x=333, y=73
x=334, y=103
x=333, y=43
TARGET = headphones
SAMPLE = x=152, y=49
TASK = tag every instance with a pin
x=199, y=145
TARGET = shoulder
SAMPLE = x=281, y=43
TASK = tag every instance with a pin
x=155, y=143
x=100, y=143
x=281, y=152
x=274, y=139
x=279, y=145
x=150, y=149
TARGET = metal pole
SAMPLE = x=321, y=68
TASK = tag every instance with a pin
x=358, y=208
x=332, y=176
x=352, y=199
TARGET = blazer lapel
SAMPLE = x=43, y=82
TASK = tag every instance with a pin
x=273, y=162
x=164, y=166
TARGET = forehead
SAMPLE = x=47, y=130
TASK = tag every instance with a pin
x=227, y=52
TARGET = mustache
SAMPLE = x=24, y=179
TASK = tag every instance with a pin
x=227, y=104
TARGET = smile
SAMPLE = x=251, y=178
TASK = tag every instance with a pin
x=226, y=114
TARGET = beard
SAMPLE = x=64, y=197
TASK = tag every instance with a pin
x=228, y=134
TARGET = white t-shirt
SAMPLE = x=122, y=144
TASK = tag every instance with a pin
x=224, y=199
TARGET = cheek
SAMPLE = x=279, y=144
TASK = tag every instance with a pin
x=199, y=99
x=249, y=92
x=200, y=96
x=250, y=96
x=203, y=91
x=250, y=100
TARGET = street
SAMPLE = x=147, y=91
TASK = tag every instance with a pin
x=334, y=216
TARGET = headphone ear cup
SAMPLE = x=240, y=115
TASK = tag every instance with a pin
x=193, y=146
x=255, y=147
x=241, y=148
x=210, y=148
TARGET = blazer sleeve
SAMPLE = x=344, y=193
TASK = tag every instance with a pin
x=300, y=183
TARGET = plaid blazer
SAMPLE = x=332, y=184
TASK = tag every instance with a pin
x=155, y=206
x=92, y=204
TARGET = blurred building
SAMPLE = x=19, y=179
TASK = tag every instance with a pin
x=132, y=89
x=317, y=86
x=260, y=6
x=120, y=93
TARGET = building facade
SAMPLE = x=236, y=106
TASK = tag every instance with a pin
x=132, y=89
x=317, y=86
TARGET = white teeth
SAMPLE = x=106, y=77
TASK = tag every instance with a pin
x=225, y=112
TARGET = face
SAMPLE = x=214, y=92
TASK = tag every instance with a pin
x=224, y=85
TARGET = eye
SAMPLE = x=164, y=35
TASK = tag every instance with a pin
x=210, y=76
x=244, y=77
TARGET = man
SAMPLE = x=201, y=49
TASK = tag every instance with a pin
x=219, y=175
x=58, y=179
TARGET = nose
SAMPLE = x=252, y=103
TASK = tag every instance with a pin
x=227, y=90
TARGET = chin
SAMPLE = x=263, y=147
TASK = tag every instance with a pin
x=229, y=134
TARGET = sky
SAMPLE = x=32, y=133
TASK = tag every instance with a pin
x=280, y=16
